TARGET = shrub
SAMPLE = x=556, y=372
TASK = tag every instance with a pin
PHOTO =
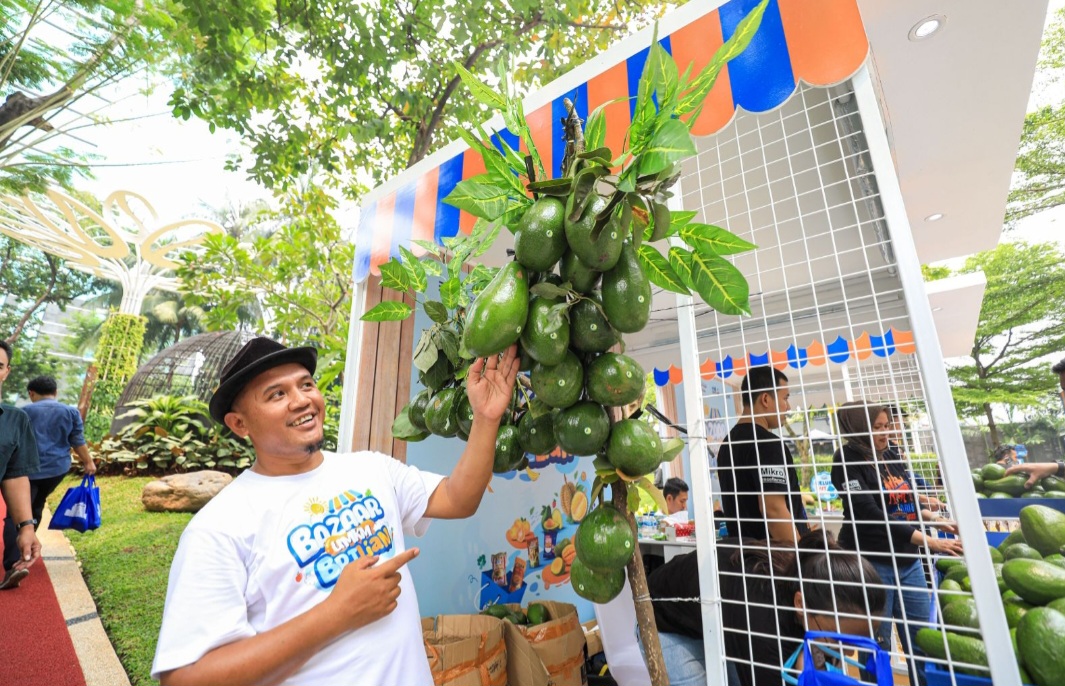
x=171, y=434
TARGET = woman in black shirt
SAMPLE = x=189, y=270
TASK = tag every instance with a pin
x=765, y=609
x=881, y=521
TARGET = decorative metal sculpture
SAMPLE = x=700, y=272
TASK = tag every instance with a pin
x=122, y=243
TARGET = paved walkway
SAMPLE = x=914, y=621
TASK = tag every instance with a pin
x=94, y=651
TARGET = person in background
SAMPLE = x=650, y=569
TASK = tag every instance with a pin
x=1038, y=470
x=18, y=459
x=766, y=609
x=760, y=492
x=882, y=521
x=1059, y=369
x=897, y=451
x=676, y=494
x=1005, y=455
x=58, y=430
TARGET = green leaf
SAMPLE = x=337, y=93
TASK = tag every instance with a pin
x=583, y=191
x=436, y=311
x=658, y=270
x=720, y=284
x=692, y=100
x=679, y=218
x=597, y=155
x=450, y=291
x=498, y=167
x=632, y=498
x=426, y=352
x=713, y=240
x=447, y=339
x=595, y=128
x=555, y=187
x=484, y=235
x=395, y=276
x=539, y=408
x=672, y=448
x=681, y=261
x=648, y=487
x=549, y=290
x=480, y=197
x=404, y=429
x=664, y=79
x=428, y=246
x=481, y=92
x=479, y=277
x=388, y=311
x=671, y=143
x=660, y=226
x=415, y=270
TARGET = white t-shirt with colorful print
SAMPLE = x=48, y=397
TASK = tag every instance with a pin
x=267, y=549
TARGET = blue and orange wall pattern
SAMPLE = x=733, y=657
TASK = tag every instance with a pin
x=821, y=43
x=817, y=353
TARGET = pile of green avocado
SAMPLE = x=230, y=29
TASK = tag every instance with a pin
x=991, y=482
x=534, y=614
x=1030, y=567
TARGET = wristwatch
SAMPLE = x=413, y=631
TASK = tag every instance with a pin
x=1061, y=469
x=28, y=522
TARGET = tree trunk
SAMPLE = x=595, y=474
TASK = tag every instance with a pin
x=645, y=616
x=993, y=429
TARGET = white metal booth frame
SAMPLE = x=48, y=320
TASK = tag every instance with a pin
x=872, y=257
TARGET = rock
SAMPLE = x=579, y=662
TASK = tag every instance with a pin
x=183, y=492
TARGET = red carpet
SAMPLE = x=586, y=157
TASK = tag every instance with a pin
x=35, y=647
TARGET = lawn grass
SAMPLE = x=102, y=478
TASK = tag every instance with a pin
x=126, y=563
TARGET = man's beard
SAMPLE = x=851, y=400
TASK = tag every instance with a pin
x=312, y=448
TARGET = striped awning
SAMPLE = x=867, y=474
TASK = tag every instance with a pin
x=820, y=42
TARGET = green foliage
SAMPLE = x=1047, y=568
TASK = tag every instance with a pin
x=67, y=51
x=171, y=434
x=380, y=83
x=126, y=563
x=931, y=273
x=31, y=280
x=1022, y=322
x=116, y=362
x=33, y=360
x=291, y=272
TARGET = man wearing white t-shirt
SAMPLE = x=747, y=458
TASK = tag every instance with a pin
x=291, y=575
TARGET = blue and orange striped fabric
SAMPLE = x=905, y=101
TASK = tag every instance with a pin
x=817, y=353
x=821, y=43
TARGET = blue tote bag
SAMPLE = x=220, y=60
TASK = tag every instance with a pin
x=79, y=509
x=879, y=663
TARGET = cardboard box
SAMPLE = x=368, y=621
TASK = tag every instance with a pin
x=466, y=650
x=559, y=644
x=592, y=637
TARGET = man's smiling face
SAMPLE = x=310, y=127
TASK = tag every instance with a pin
x=282, y=411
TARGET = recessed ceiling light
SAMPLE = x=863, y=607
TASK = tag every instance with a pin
x=934, y=217
x=927, y=27
x=936, y=309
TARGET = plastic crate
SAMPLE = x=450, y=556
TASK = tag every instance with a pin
x=1010, y=508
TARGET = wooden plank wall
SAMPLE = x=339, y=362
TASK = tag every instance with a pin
x=384, y=376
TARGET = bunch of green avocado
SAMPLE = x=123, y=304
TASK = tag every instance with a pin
x=571, y=292
x=534, y=614
x=1030, y=567
x=991, y=482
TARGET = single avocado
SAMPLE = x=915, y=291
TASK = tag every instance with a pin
x=537, y=614
x=497, y=611
x=508, y=453
x=992, y=471
x=1040, y=637
x=1021, y=550
x=605, y=539
x=546, y=334
x=417, y=409
x=1013, y=485
x=1053, y=483
x=1043, y=527
x=581, y=278
x=559, y=385
x=601, y=254
x=536, y=435
x=582, y=428
x=614, y=379
x=589, y=330
x=540, y=239
x=962, y=616
x=963, y=649
x=978, y=481
x=598, y=587
x=496, y=318
x=441, y=416
x=626, y=293
x=464, y=413
x=1037, y=581
x=634, y=447
x=1055, y=559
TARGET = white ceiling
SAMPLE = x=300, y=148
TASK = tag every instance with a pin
x=954, y=105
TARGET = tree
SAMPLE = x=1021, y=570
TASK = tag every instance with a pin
x=364, y=90
x=1039, y=176
x=294, y=272
x=1022, y=322
x=52, y=56
x=30, y=280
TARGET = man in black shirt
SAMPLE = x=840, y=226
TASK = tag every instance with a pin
x=18, y=460
x=760, y=493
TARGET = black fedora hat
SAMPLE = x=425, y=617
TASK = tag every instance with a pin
x=257, y=355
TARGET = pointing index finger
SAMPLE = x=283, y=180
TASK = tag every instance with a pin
x=391, y=566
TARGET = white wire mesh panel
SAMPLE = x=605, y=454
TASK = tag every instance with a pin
x=827, y=308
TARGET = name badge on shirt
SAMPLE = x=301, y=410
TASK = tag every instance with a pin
x=774, y=475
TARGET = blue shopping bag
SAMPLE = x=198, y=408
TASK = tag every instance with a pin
x=879, y=663
x=79, y=509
